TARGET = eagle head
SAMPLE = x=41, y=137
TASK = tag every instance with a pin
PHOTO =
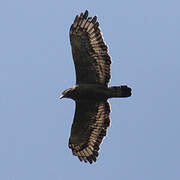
x=68, y=93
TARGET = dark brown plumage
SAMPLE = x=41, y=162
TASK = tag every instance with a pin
x=91, y=59
x=91, y=92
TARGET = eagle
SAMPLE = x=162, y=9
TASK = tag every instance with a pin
x=91, y=91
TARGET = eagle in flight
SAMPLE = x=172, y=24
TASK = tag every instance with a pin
x=91, y=91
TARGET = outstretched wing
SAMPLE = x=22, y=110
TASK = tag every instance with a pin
x=91, y=120
x=90, y=53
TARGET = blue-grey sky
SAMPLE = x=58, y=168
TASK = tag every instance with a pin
x=36, y=66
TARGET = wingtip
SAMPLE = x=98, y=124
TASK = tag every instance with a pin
x=81, y=15
x=85, y=14
x=94, y=19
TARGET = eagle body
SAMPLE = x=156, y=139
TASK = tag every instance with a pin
x=87, y=92
x=95, y=92
x=91, y=91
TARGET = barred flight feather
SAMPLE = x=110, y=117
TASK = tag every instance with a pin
x=86, y=142
x=86, y=37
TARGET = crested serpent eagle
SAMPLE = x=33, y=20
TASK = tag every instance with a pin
x=91, y=91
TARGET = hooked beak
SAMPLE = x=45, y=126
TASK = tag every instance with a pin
x=60, y=97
